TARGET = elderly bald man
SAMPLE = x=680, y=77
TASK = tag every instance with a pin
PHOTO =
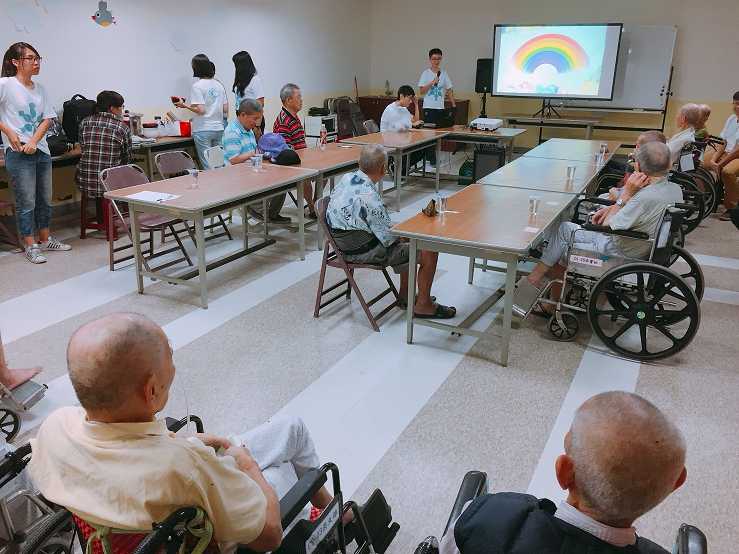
x=622, y=458
x=114, y=464
x=639, y=207
x=361, y=228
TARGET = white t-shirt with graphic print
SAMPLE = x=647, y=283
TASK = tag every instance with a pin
x=23, y=109
x=210, y=94
x=434, y=98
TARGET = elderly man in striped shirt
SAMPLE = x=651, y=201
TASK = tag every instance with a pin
x=289, y=126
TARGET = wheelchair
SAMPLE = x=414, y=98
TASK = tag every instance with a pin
x=15, y=402
x=371, y=530
x=689, y=540
x=640, y=309
x=24, y=512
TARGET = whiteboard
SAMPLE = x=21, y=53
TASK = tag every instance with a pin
x=643, y=69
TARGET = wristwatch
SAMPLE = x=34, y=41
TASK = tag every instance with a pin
x=620, y=202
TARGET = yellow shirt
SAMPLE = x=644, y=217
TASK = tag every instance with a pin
x=128, y=475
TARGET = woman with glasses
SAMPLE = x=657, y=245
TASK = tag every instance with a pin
x=25, y=114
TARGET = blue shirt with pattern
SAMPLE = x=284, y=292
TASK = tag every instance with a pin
x=356, y=205
x=237, y=140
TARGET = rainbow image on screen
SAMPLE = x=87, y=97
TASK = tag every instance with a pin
x=559, y=51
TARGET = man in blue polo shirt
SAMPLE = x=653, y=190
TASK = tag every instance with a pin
x=239, y=142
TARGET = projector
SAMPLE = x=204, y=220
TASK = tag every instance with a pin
x=485, y=124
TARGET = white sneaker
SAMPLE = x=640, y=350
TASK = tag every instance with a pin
x=430, y=168
x=34, y=255
x=54, y=244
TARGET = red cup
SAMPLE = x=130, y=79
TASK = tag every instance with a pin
x=185, y=129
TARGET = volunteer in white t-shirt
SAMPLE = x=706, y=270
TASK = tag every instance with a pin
x=25, y=115
x=396, y=116
x=247, y=83
x=209, y=103
x=725, y=159
x=435, y=83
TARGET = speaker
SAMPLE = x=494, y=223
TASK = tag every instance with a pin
x=484, y=75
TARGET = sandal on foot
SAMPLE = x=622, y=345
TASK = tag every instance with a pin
x=441, y=312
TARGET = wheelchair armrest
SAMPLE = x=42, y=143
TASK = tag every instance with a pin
x=300, y=494
x=620, y=232
x=175, y=425
x=690, y=540
x=588, y=200
x=44, y=530
x=13, y=463
x=162, y=531
x=474, y=484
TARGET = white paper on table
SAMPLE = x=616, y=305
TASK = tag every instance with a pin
x=151, y=196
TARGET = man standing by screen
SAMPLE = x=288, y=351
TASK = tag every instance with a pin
x=435, y=83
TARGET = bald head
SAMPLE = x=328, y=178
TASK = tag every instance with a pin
x=111, y=357
x=627, y=456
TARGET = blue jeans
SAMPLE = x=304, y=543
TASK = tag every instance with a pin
x=204, y=140
x=30, y=176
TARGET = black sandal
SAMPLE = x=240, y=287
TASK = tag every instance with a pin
x=441, y=312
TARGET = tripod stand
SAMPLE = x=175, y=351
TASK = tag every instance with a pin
x=547, y=110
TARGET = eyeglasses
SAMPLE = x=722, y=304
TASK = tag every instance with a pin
x=32, y=58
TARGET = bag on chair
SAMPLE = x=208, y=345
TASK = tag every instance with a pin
x=76, y=109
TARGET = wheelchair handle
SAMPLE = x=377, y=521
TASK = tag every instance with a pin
x=474, y=484
x=620, y=232
x=175, y=425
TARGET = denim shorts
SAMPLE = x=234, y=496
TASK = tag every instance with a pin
x=30, y=177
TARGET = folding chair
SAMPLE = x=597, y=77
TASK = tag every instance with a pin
x=333, y=257
x=123, y=176
x=7, y=235
x=179, y=162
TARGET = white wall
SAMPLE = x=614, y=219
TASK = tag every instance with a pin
x=146, y=54
x=403, y=32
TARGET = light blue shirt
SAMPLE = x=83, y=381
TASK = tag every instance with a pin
x=355, y=205
x=237, y=140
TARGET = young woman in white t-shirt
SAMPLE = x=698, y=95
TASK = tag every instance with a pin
x=247, y=83
x=25, y=115
x=209, y=103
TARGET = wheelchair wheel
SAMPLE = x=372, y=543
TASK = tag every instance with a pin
x=567, y=332
x=688, y=268
x=706, y=184
x=695, y=198
x=10, y=424
x=657, y=313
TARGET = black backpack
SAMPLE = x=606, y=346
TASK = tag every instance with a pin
x=76, y=109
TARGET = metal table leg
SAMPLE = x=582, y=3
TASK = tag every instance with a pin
x=398, y=176
x=301, y=218
x=320, y=183
x=412, y=251
x=202, y=270
x=438, y=165
x=510, y=284
x=589, y=132
x=246, y=226
x=136, y=237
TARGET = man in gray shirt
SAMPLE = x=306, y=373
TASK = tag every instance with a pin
x=640, y=206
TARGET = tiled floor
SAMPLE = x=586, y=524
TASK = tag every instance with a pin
x=410, y=419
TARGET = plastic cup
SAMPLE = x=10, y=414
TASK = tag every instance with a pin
x=194, y=173
x=571, y=172
x=533, y=205
x=257, y=162
x=441, y=202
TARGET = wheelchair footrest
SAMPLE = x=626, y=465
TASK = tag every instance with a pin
x=378, y=517
x=27, y=394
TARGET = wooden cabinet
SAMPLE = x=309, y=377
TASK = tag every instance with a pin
x=373, y=106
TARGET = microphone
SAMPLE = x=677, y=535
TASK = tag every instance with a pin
x=438, y=74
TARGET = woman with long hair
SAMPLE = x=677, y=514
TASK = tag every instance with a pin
x=209, y=103
x=247, y=83
x=25, y=115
